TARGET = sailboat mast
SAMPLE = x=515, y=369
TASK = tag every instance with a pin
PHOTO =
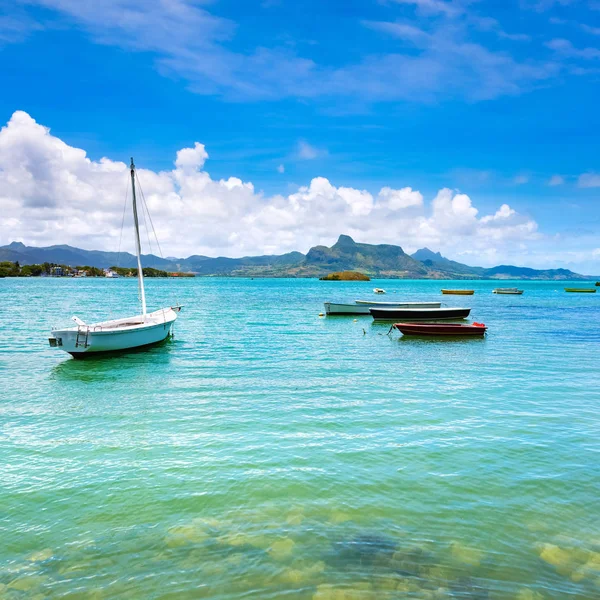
x=138, y=246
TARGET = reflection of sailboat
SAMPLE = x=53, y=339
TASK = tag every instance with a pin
x=119, y=334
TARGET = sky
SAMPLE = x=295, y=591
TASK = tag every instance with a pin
x=264, y=126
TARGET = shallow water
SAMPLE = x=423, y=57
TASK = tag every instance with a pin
x=266, y=452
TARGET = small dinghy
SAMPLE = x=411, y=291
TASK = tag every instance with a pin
x=581, y=290
x=445, y=329
x=379, y=291
x=118, y=335
x=419, y=314
x=514, y=291
x=458, y=292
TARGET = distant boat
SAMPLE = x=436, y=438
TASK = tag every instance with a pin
x=581, y=290
x=419, y=314
x=361, y=307
x=442, y=329
x=459, y=292
x=119, y=334
x=379, y=291
x=598, y=283
x=508, y=291
x=111, y=275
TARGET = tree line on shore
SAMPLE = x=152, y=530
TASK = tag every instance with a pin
x=14, y=269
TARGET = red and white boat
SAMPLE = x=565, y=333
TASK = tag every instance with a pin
x=445, y=329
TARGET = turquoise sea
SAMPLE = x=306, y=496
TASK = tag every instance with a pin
x=266, y=452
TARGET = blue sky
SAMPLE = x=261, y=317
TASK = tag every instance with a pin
x=497, y=100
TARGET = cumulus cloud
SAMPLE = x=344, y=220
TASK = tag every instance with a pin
x=556, y=180
x=521, y=179
x=281, y=169
x=53, y=193
x=589, y=180
x=305, y=151
x=399, y=199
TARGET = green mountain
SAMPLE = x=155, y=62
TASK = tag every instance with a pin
x=445, y=267
x=382, y=260
x=511, y=272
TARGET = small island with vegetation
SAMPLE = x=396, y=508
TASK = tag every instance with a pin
x=345, y=276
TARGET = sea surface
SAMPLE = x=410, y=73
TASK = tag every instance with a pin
x=269, y=452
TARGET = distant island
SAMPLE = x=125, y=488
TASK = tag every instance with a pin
x=384, y=261
x=345, y=276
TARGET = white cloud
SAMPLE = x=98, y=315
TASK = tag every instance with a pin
x=449, y=9
x=53, y=193
x=186, y=40
x=592, y=30
x=281, y=169
x=589, y=180
x=521, y=179
x=400, y=199
x=305, y=151
x=556, y=180
x=566, y=49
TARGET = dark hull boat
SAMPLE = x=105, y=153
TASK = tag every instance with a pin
x=445, y=329
x=419, y=314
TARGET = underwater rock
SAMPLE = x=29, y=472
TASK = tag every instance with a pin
x=281, y=549
x=27, y=583
x=69, y=568
x=365, y=549
x=466, y=554
x=40, y=555
x=527, y=594
x=339, y=516
x=180, y=535
x=554, y=555
x=297, y=575
x=413, y=561
x=590, y=568
x=295, y=516
x=358, y=591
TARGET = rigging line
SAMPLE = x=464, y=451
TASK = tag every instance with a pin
x=145, y=204
x=149, y=217
x=146, y=225
x=122, y=225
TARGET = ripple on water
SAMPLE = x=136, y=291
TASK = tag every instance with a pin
x=267, y=453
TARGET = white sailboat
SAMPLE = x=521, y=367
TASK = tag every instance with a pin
x=120, y=334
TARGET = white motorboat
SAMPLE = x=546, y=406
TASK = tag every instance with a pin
x=406, y=304
x=379, y=291
x=513, y=291
x=120, y=334
x=361, y=307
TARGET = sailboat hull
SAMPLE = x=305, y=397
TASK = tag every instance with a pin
x=115, y=336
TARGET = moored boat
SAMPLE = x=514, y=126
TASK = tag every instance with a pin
x=515, y=291
x=362, y=307
x=581, y=290
x=419, y=314
x=118, y=335
x=459, y=292
x=442, y=329
x=397, y=303
x=379, y=291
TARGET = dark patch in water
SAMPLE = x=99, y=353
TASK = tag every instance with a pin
x=363, y=549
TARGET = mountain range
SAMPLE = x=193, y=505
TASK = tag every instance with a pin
x=382, y=260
